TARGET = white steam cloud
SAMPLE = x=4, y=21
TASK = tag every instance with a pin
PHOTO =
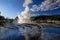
x=27, y=2
x=46, y=5
x=24, y=16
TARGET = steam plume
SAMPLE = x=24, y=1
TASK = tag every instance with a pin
x=24, y=17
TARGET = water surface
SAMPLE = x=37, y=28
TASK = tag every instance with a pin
x=16, y=32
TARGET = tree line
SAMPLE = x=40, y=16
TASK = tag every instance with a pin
x=50, y=17
x=4, y=20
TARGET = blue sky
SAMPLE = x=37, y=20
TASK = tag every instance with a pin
x=11, y=8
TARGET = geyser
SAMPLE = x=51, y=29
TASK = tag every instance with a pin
x=24, y=16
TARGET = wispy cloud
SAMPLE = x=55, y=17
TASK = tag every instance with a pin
x=46, y=5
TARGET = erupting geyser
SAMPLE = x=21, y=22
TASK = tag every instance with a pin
x=24, y=16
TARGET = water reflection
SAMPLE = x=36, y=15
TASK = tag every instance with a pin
x=50, y=32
